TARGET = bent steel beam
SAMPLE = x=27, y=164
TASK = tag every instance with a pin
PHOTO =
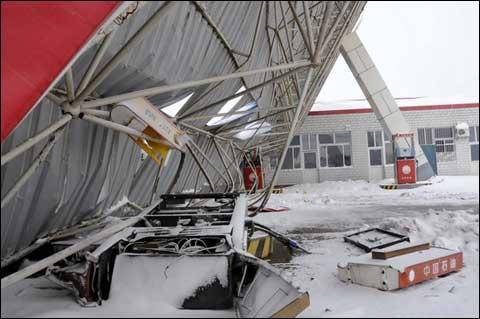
x=202, y=169
x=35, y=139
x=120, y=128
x=208, y=160
x=44, y=263
x=220, y=155
x=33, y=167
x=287, y=142
x=69, y=85
x=95, y=62
x=302, y=31
x=190, y=84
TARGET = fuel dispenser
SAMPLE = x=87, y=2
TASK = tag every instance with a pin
x=252, y=171
x=405, y=162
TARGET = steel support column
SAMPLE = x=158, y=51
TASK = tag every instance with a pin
x=202, y=169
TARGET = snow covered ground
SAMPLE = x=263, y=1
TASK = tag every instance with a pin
x=444, y=213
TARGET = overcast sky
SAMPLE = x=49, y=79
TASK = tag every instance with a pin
x=420, y=49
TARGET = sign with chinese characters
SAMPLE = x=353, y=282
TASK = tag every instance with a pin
x=428, y=270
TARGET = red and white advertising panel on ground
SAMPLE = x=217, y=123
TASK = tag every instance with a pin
x=400, y=271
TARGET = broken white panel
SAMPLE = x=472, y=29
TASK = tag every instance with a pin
x=239, y=237
x=151, y=116
x=380, y=99
x=269, y=295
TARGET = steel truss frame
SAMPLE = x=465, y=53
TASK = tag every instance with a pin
x=304, y=39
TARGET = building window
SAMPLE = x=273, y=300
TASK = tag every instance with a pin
x=310, y=159
x=425, y=136
x=335, y=149
x=444, y=142
x=325, y=138
x=442, y=138
x=375, y=156
x=388, y=148
x=292, y=159
x=380, y=149
x=474, y=134
x=309, y=142
x=309, y=149
x=375, y=147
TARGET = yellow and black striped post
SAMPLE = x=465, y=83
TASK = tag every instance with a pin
x=277, y=191
x=260, y=247
x=391, y=186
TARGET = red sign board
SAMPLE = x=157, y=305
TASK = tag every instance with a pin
x=430, y=269
x=403, y=135
x=39, y=39
x=406, y=171
x=249, y=177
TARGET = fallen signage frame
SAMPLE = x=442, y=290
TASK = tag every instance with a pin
x=361, y=239
x=398, y=250
x=400, y=271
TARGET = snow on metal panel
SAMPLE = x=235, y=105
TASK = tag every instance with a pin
x=161, y=279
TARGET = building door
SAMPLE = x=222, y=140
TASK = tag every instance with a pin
x=431, y=154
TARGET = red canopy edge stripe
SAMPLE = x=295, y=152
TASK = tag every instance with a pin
x=402, y=108
x=39, y=39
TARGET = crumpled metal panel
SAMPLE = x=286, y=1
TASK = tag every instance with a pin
x=92, y=168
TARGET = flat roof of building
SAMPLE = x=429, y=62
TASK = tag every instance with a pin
x=352, y=106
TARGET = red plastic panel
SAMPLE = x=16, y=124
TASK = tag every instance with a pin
x=39, y=39
x=406, y=171
x=430, y=269
x=249, y=177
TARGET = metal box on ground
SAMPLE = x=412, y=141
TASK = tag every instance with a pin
x=400, y=271
x=398, y=250
x=267, y=247
x=375, y=238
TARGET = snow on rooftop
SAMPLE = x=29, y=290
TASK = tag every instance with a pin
x=351, y=104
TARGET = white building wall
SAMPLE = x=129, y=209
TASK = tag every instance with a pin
x=359, y=124
x=462, y=165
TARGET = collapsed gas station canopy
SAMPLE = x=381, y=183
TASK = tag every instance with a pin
x=232, y=77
